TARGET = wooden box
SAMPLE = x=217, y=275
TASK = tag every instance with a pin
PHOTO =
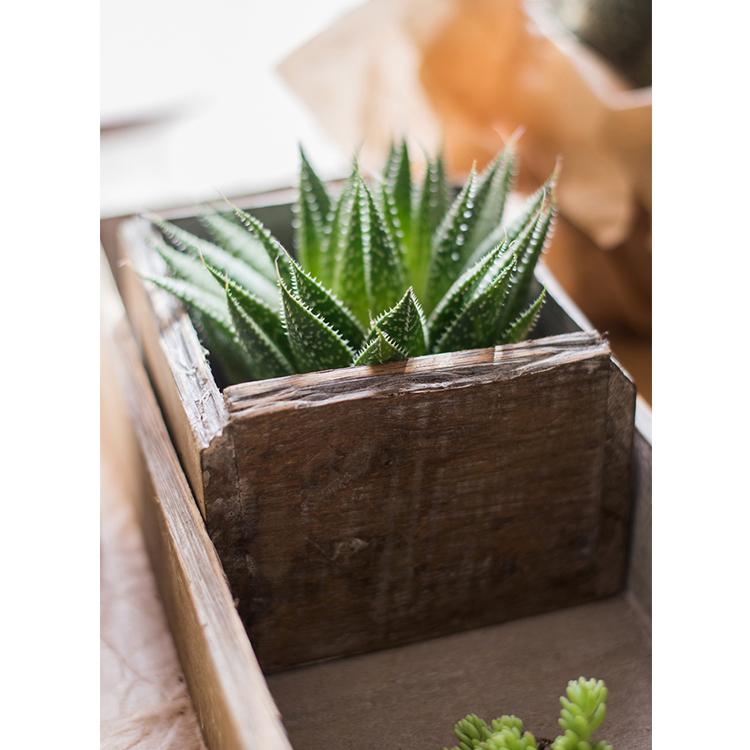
x=367, y=507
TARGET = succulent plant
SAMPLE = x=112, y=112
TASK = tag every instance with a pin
x=583, y=711
x=382, y=272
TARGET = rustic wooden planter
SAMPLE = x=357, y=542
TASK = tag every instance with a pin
x=367, y=507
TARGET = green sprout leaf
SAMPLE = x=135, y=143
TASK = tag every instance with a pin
x=448, y=252
x=244, y=274
x=404, y=325
x=365, y=262
x=316, y=297
x=186, y=267
x=478, y=323
x=525, y=322
x=380, y=348
x=242, y=244
x=314, y=343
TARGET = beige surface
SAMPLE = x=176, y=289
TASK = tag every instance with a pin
x=144, y=702
x=409, y=697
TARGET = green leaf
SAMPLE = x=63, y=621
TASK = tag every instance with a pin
x=398, y=186
x=493, y=186
x=326, y=304
x=314, y=186
x=186, y=267
x=384, y=266
x=313, y=205
x=449, y=307
x=529, y=253
x=268, y=361
x=442, y=194
x=448, y=255
x=390, y=216
x=380, y=349
x=423, y=226
x=520, y=223
x=534, y=203
x=315, y=345
x=370, y=272
x=350, y=281
x=519, y=329
x=240, y=243
x=265, y=317
x=335, y=232
x=478, y=323
x=210, y=314
x=274, y=249
x=404, y=325
x=194, y=298
x=390, y=160
x=243, y=274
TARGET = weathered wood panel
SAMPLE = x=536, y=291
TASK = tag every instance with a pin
x=231, y=698
x=365, y=507
x=383, y=505
x=188, y=394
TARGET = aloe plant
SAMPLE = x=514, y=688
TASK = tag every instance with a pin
x=381, y=272
x=583, y=710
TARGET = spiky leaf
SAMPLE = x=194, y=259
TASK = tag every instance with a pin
x=380, y=348
x=528, y=256
x=423, y=227
x=268, y=361
x=268, y=319
x=243, y=274
x=478, y=323
x=448, y=256
x=447, y=310
x=335, y=232
x=404, y=324
x=315, y=345
x=398, y=184
x=442, y=193
x=326, y=304
x=215, y=326
x=520, y=223
x=525, y=322
x=186, y=267
x=274, y=249
x=493, y=186
x=237, y=241
x=350, y=282
x=384, y=264
x=314, y=185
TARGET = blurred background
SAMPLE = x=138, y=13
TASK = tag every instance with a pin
x=201, y=98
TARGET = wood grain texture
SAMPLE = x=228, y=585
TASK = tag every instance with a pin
x=188, y=394
x=234, y=707
x=366, y=507
x=417, y=494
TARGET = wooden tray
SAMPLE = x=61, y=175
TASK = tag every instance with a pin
x=417, y=489
x=407, y=696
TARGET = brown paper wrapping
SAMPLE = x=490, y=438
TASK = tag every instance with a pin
x=468, y=73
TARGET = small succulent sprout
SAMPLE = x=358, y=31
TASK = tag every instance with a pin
x=584, y=708
x=583, y=711
x=368, y=264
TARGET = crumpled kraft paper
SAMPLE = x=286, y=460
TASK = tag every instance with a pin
x=466, y=74
x=469, y=72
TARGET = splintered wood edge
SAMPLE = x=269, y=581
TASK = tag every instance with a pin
x=432, y=372
x=177, y=362
x=230, y=694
